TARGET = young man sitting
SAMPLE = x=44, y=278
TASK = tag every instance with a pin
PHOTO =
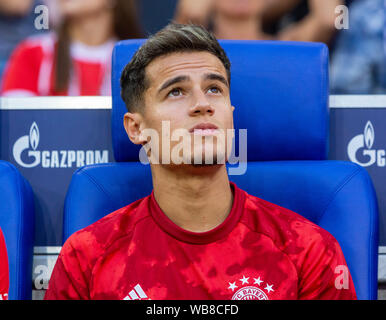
x=197, y=235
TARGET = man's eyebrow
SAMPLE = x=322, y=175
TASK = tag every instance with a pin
x=173, y=81
x=216, y=76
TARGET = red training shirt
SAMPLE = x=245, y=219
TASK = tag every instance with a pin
x=4, y=276
x=260, y=251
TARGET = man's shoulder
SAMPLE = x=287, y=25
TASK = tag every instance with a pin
x=98, y=236
x=290, y=231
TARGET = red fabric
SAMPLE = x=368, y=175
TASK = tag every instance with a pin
x=33, y=62
x=261, y=251
x=22, y=71
x=91, y=75
x=4, y=276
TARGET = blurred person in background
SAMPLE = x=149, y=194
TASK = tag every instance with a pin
x=358, y=62
x=193, y=12
x=227, y=19
x=76, y=59
x=248, y=19
x=16, y=23
x=302, y=20
x=235, y=19
x=4, y=276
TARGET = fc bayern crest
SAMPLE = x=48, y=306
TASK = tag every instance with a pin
x=247, y=289
x=250, y=293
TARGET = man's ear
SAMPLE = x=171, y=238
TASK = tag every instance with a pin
x=133, y=124
x=233, y=108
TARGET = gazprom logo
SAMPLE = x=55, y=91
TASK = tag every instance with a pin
x=34, y=136
x=26, y=154
x=362, y=144
x=29, y=144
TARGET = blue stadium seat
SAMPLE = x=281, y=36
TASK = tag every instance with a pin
x=280, y=91
x=17, y=220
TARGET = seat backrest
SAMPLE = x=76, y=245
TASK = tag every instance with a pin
x=17, y=220
x=282, y=87
x=280, y=91
x=98, y=190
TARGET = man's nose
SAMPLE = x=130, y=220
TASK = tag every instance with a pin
x=201, y=105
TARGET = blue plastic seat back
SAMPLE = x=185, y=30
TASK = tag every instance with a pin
x=280, y=94
x=98, y=190
x=17, y=220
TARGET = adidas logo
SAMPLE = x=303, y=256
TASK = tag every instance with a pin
x=4, y=296
x=137, y=294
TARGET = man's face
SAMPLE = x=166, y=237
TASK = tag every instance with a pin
x=190, y=93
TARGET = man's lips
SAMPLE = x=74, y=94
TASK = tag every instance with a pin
x=204, y=128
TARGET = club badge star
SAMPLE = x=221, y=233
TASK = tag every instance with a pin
x=258, y=281
x=244, y=280
x=232, y=286
x=269, y=288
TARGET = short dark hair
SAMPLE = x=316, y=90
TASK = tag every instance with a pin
x=171, y=39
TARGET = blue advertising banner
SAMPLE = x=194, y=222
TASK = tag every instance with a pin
x=48, y=141
x=358, y=134
x=47, y=146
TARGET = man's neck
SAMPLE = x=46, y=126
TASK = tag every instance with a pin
x=92, y=30
x=194, y=202
x=240, y=29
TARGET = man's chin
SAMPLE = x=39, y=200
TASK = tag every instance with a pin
x=198, y=168
x=202, y=165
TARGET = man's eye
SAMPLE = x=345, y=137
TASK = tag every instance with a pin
x=214, y=90
x=175, y=92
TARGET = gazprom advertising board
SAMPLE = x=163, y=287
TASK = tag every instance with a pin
x=47, y=139
x=358, y=134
